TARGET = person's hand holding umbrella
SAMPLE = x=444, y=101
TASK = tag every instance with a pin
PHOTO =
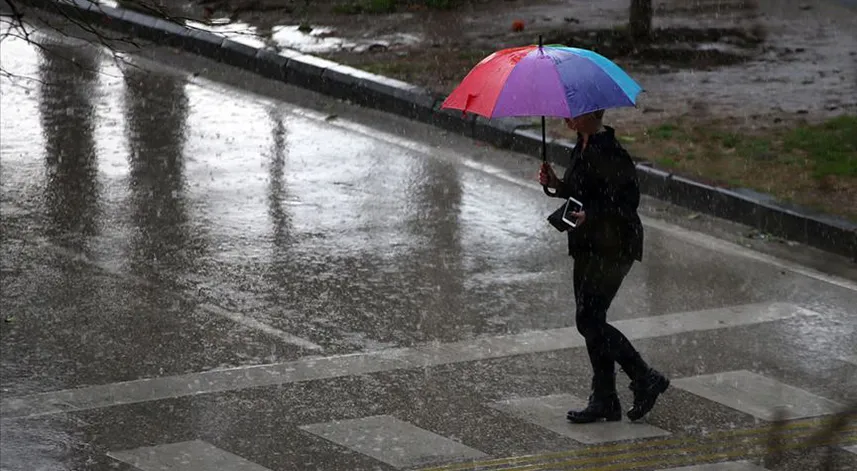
x=547, y=177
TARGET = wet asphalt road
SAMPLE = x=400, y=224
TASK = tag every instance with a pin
x=165, y=234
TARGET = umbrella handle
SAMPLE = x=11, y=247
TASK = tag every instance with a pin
x=547, y=191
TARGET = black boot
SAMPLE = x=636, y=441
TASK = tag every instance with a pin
x=605, y=407
x=603, y=402
x=646, y=390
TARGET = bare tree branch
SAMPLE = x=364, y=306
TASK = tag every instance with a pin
x=15, y=79
x=19, y=22
x=22, y=22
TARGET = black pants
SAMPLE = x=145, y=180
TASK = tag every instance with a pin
x=596, y=281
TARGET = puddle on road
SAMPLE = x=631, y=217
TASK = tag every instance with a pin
x=321, y=40
x=316, y=41
x=238, y=32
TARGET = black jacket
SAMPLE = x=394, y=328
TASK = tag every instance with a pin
x=604, y=179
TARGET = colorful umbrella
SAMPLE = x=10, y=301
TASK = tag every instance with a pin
x=553, y=80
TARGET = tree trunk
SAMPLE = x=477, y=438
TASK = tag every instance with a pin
x=640, y=23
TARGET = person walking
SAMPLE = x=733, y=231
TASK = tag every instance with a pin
x=607, y=239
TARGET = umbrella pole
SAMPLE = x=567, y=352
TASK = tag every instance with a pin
x=544, y=138
x=544, y=142
x=545, y=155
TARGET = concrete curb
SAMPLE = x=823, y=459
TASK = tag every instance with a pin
x=758, y=211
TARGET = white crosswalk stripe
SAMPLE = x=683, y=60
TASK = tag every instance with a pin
x=758, y=395
x=194, y=455
x=550, y=411
x=392, y=441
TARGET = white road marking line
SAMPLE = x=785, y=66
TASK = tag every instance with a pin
x=309, y=369
x=260, y=326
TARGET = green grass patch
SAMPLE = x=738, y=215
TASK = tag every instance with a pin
x=758, y=147
x=664, y=131
x=729, y=140
x=667, y=162
x=831, y=146
x=402, y=69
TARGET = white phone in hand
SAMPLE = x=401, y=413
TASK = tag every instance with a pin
x=571, y=206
